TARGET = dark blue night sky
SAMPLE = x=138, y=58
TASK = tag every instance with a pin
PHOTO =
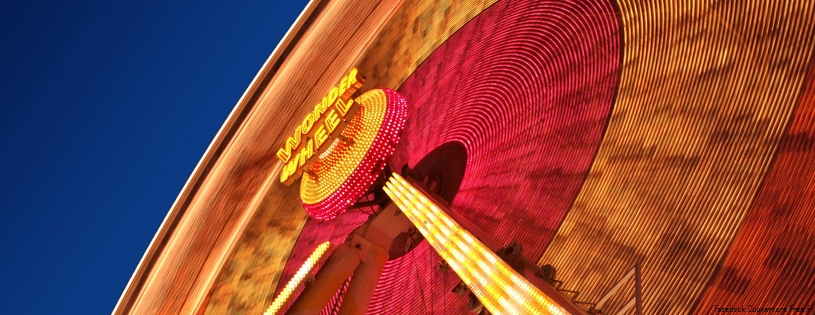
x=106, y=109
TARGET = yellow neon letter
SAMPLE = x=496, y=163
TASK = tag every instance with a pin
x=308, y=123
x=288, y=170
x=331, y=120
x=320, y=136
x=344, y=84
x=342, y=107
x=333, y=94
x=284, y=173
x=306, y=153
x=291, y=143
x=319, y=109
x=352, y=78
x=283, y=155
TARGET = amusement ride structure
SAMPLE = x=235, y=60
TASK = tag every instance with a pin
x=507, y=157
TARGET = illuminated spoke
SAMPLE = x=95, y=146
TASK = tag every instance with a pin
x=499, y=288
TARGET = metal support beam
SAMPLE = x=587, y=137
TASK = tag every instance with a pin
x=363, y=255
x=366, y=276
x=614, y=289
x=635, y=302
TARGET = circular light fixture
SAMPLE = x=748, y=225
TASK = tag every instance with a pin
x=356, y=159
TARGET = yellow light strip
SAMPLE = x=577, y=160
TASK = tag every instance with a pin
x=499, y=288
x=298, y=278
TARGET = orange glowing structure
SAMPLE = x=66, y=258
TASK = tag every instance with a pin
x=499, y=288
x=676, y=137
x=305, y=270
x=353, y=162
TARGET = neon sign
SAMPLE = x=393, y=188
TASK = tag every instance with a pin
x=365, y=132
x=341, y=177
x=327, y=121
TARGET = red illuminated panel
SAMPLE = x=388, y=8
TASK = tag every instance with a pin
x=333, y=305
x=313, y=233
x=527, y=88
x=349, y=169
x=412, y=284
x=772, y=260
